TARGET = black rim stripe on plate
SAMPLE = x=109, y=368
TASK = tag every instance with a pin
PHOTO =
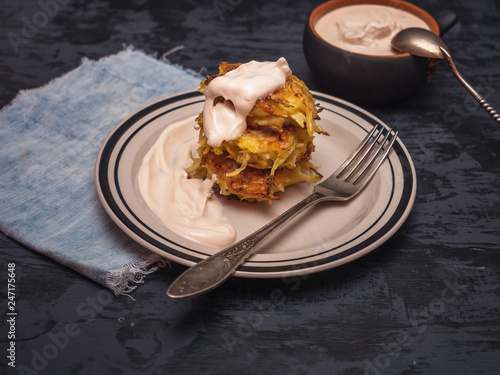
x=398, y=212
x=108, y=196
x=104, y=165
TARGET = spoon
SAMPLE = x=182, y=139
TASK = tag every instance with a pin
x=422, y=42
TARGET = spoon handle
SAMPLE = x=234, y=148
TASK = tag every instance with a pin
x=469, y=88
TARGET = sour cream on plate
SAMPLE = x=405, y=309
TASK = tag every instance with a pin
x=185, y=206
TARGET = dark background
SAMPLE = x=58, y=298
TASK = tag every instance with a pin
x=426, y=302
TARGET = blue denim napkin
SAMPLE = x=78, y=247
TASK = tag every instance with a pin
x=49, y=141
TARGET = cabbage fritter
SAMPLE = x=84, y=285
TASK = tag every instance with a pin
x=272, y=153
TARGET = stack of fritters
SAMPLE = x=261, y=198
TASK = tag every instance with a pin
x=273, y=152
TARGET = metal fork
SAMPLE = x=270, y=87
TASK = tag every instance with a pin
x=345, y=183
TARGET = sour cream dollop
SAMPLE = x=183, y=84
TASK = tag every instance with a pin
x=185, y=206
x=240, y=88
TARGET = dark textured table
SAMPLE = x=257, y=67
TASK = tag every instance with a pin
x=426, y=302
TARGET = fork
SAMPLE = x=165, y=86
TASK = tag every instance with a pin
x=345, y=183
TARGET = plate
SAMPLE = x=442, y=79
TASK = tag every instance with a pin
x=327, y=235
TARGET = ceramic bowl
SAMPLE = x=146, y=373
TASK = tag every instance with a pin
x=366, y=78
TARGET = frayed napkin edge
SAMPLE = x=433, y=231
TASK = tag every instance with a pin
x=124, y=280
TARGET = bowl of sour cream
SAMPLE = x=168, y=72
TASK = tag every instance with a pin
x=347, y=45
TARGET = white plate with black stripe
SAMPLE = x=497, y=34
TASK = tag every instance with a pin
x=328, y=235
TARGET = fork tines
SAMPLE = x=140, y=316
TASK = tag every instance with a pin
x=365, y=160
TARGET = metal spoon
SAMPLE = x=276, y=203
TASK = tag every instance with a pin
x=422, y=42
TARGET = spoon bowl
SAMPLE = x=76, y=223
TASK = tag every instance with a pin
x=421, y=42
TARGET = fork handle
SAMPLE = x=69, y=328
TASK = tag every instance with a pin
x=212, y=271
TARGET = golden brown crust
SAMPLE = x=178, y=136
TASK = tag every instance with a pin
x=251, y=183
x=272, y=153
